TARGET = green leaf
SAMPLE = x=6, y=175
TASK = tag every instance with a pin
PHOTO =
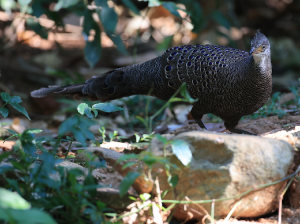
x=128, y=165
x=4, y=112
x=35, y=25
x=186, y=94
x=83, y=108
x=127, y=157
x=109, y=19
x=79, y=136
x=171, y=7
x=24, y=2
x=8, y=5
x=195, y=11
x=165, y=44
x=101, y=3
x=119, y=43
x=182, y=151
x=137, y=137
x=107, y=107
x=153, y=3
x=132, y=198
x=26, y=216
x=92, y=50
x=219, y=18
x=33, y=131
x=20, y=109
x=12, y=200
x=67, y=125
x=5, y=96
x=127, y=181
x=15, y=99
x=173, y=180
x=15, y=135
x=131, y=6
x=95, y=112
x=161, y=138
x=12, y=131
x=145, y=196
x=65, y=4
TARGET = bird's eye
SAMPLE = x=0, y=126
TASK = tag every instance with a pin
x=263, y=46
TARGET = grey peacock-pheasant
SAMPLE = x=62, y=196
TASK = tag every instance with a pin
x=227, y=82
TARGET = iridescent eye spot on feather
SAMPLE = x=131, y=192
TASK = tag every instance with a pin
x=191, y=57
x=168, y=76
x=174, y=53
x=168, y=68
x=180, y=61
x=189, y=63
x=182, y=57
x=195, y=50
x=170, y=58
x=105, y=86
x=111, y=90
x=171, y=84
x=180, y=48
x=194, y=82
x=198, y=57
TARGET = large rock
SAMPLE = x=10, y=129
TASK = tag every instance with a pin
x=224, y=166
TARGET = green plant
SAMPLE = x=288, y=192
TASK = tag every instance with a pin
x=14, y=102
x=185, y=97
x=44, y=185
x=109, y=18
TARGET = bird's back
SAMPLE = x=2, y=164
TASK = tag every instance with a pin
x=220, y=77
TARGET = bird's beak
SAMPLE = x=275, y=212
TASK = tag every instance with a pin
x=256, y=50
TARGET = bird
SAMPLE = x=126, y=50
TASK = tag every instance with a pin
x=227, y=82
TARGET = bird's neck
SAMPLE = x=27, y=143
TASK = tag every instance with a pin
x=263, y=63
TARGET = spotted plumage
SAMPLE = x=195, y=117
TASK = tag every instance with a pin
x=227, y=82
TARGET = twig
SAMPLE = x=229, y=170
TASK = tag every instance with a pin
x=201, y=208
x=281, y=197
x=158, y=192
x=212, y=211
x=232, y=210
x=69, y=148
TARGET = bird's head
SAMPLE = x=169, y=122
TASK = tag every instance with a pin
x=260, y=45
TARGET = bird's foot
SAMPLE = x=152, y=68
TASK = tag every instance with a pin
x=240, y=131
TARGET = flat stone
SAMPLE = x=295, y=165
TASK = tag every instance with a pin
x=225, y=166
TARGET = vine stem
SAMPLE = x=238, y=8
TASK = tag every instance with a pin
x=234, y=197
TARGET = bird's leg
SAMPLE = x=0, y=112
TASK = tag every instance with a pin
x=231, y=123
x=197, y=117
